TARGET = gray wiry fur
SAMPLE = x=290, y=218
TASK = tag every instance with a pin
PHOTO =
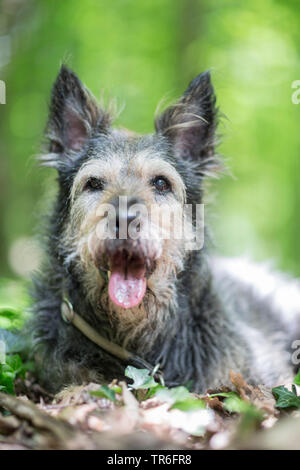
x=201, y=319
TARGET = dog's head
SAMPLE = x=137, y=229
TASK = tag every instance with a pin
x=122, y=214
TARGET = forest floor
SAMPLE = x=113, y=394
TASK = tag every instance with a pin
x=147, y=415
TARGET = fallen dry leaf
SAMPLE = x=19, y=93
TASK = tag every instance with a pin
x=259, y=396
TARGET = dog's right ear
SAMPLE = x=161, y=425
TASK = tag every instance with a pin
x=74, y=115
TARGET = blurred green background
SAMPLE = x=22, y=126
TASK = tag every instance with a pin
x=142, y=52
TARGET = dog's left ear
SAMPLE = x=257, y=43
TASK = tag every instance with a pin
x=190, y=124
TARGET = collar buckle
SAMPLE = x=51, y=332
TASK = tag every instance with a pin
x=66, y=310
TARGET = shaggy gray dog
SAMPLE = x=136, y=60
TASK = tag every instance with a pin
x=152, y=299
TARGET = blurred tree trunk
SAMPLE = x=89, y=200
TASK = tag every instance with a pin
x=189, y=30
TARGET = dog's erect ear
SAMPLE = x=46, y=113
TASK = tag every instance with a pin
x=190, y=124
x=74, y=114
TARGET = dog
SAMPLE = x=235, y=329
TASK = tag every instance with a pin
x=102, y=302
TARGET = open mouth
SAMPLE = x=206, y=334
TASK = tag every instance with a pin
x=127, y=282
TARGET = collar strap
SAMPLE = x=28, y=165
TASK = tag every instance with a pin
x=71, y=317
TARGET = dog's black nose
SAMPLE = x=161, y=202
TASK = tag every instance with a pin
x=125, y=214
x=123, y=220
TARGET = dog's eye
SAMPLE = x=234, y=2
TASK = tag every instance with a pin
x=94, y=184
x=161, y=184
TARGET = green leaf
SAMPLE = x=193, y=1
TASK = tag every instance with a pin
x=141, y=378
x=173, y=395
x=14, y=362
x=11, y=318
x=104, y=392
x=7, y=383
x=10, y=371
x=190, y=404
x=297, y=379
x=251, y=416
x=234, y=404
x=14, y=303
x=117, y=389
x=152, y=391
x=285, y=398
x=6, y=379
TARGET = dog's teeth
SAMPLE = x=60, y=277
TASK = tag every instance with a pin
x=108, y=274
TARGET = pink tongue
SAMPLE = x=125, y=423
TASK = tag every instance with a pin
x=129, y=292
